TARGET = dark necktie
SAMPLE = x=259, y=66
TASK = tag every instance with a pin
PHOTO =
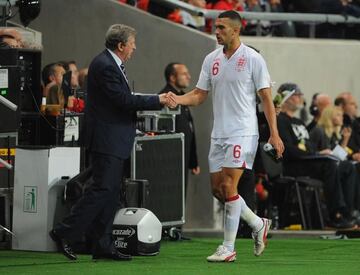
x=123, y=70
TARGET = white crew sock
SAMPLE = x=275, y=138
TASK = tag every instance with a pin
x=231, y=221
x=254, y=221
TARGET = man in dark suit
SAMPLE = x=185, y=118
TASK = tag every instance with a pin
x=110, y=131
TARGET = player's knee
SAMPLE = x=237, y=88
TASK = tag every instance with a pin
x=226, y=186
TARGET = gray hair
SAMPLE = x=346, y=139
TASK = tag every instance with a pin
x=116, y=34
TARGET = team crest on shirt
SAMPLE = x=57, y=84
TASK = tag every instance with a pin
x=240, y=64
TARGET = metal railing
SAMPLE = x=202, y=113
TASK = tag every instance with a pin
x=312, y=19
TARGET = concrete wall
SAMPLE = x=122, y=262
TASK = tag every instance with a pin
x=74, y=29
x=327, y=66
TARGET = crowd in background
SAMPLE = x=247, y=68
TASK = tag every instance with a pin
x=264, y=28
x=64, y=85
x=326, y=149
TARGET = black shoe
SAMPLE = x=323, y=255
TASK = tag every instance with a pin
x=113, y=255
x=183, y=238
x=63, y=245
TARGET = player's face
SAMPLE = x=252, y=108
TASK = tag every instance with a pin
x=182, y=76
x=225, y=31
x=127, y=49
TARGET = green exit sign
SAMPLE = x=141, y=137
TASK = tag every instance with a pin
x=3, y=92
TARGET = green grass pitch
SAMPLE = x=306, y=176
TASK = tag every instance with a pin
x=283, y=256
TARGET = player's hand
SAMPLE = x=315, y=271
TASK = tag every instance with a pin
x=167, y=101
x=278, y=145
x=172, y=99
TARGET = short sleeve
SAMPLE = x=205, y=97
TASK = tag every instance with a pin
x=260, y=73
x=204, y=82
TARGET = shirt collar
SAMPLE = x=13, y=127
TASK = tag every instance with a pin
x=116, y=58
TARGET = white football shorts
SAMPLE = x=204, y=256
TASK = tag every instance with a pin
x=233, y=152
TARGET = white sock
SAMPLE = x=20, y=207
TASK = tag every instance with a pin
x=231, y=221
x=254, y=221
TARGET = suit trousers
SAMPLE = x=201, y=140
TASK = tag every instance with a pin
x=97, y=208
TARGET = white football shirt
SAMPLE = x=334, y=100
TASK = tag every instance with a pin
x=233, y=83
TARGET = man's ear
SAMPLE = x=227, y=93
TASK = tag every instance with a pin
x=172, y=78
x=120, y=46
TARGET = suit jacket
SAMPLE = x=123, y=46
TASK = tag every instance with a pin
x=184, y=124
x=110, y=112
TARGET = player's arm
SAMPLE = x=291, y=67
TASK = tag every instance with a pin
x=193, y=98
x=270, y=114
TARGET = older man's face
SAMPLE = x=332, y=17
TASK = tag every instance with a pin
x=127, y=49
x=350, y=107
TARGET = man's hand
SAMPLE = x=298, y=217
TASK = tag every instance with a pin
x=278, y=145
x=195, y=171
x=173, y=99
x=168, y=101
x=356, y=157
x=325, y=152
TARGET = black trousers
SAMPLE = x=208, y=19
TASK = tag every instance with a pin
x=349, y=182
x=97, y=208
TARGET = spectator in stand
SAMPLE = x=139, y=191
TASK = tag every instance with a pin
x=183, y=17
x=279, y=28
x=302, y=159
x=318, y=104
x=348, y=103
x=77, y=104
x=52, y=76
x=329, y=135
x=228, y=5
x=74, y=75
x=349, y=106
x=141, y=4
x=83, y=78
x=237, y=5
x=199, y=21
x=252, y=25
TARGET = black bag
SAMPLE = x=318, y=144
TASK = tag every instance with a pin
x=75, y=187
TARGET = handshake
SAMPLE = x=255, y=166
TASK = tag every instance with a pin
x=169, y=99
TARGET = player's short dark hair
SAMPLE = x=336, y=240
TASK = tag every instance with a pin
x=170, y=70
x=233, y=15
